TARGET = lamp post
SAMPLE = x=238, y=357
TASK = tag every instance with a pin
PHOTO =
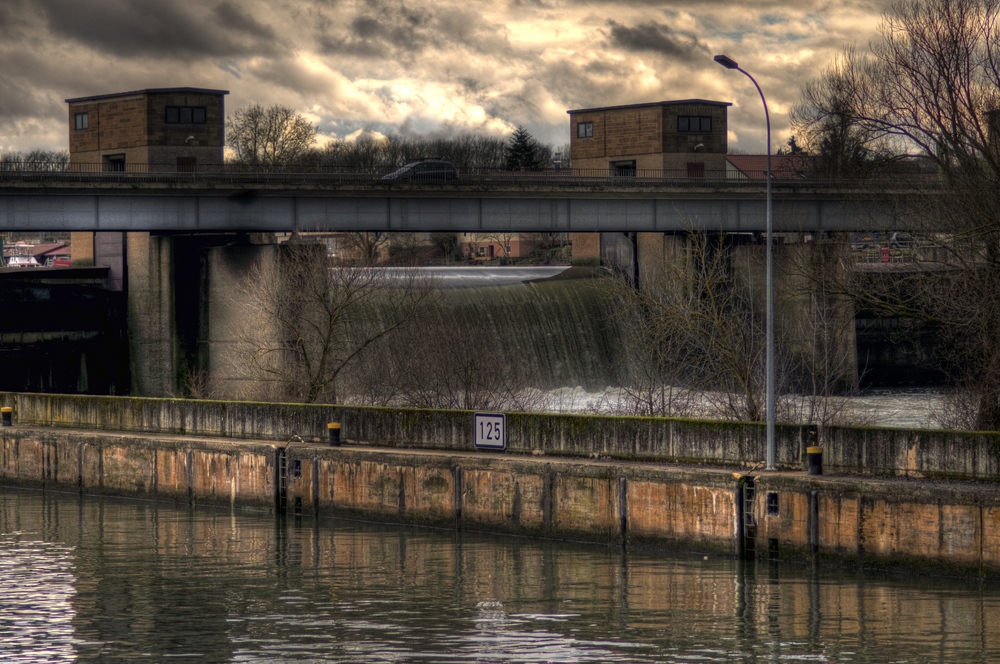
x=729, y=63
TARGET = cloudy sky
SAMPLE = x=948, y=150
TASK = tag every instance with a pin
x=424, y=68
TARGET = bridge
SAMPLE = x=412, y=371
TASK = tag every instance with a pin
x=228, y=200
x=169, y=238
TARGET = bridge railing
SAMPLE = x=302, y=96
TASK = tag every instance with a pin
x=308, y=175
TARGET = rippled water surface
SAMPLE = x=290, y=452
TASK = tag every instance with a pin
x=95, y=579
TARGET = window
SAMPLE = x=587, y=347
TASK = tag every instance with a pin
x=185, y=115
x=114, y=163
x=623, y=169
x=697, y=123
x=772, y=503
x=584, y=129
x=82, y=120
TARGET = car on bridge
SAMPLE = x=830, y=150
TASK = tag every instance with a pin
x=424, y=170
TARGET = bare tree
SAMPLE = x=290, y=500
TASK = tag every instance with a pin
x=309, y=322
x=35, y=160
x=503, y=239
x=368, y=154
x=931, y=86
x=690, y=328
x=269, y=137
x=826, y=120
x=365, y=247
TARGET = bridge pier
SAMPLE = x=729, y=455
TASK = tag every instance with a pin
x=152, y=323
x=815, y=325
x=228, y=271
x=180, y=292
x=814, y=322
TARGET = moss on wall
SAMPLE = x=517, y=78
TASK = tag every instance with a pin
x=846, y=450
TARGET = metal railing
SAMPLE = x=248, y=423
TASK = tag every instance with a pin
x=305, y=175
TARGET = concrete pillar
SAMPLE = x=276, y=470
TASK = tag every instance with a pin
x=812, y=320
x=233, y=320
x=152, y=330
x=663, y=258
x=586, y=248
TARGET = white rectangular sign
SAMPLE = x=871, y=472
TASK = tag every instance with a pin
x=490, y=431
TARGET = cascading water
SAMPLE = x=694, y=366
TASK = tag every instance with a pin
x=482, y=346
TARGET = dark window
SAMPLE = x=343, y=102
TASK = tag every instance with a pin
x=186, y=164
x=82, y=120
x=623, y=169
x=585, y=130
x=772, y=503
x=114, y=162
x=696, y=170
x=696, y=123
x=185, y=115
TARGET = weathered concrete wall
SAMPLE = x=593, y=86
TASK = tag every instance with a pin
x=940, y=525
x=231, y=321
x=593, y=500
x=152, y=327
x=846, y=450
x=812, y=321
x=212, y=472
x=885, y=521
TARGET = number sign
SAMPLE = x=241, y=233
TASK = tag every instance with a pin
x=490, y=431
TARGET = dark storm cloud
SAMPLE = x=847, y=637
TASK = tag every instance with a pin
x=390, y=31
x=134, y=28
x=382, y=29
x=657, y=38
x=14, y=17
x=471, y=85
x=237, y=20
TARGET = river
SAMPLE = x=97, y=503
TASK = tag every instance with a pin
x=105, y=579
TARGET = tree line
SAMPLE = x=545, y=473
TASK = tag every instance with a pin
x=277, y=136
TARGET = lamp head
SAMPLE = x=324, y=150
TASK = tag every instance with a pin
x=726, y=62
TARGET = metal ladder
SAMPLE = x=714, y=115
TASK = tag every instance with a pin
x=749, y=519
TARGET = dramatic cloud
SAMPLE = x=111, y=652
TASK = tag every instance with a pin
x=657, y=38
x=395, y=66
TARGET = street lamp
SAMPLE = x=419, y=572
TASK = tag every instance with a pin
x=729, y=63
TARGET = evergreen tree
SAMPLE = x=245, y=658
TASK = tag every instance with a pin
x=522, y=152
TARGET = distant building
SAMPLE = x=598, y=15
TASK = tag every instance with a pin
x=686, y=138
x=481, y=247
x=161, y=129
x=153, y=130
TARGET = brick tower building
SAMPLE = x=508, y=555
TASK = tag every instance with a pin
x=163, y=129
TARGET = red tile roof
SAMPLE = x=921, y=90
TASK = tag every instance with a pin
x=783, y=166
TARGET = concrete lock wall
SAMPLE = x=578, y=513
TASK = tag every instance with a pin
x=846, y=450
x=790, y=516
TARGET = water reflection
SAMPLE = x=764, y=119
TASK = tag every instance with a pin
x=105, y=580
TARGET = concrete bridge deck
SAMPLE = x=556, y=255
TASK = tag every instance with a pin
x=520, y=202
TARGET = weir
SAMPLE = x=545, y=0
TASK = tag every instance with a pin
x=472, y=346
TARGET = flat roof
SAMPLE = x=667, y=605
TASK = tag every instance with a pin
x=148, y=91
x=675, y=102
